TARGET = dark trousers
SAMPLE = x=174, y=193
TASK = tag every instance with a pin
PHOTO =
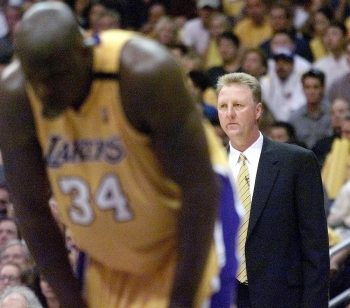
x=242, y=297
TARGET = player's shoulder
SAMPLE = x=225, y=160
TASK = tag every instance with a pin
x=12, y=83
x=15, y=110
x=287, y=151
x=142, y=55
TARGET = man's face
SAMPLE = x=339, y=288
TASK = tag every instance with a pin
x=238, y=112
x=8, y=231
x=313, y=90
x=284, y=68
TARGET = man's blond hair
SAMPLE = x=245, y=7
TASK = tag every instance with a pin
x=241, y=79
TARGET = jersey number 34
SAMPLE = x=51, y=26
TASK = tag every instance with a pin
x=108, y=196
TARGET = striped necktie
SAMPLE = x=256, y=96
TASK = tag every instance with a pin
x=244, y=195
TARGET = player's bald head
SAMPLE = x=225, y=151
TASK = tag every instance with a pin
x=48, y=29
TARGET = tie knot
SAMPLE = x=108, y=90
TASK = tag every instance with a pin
x=242, y=159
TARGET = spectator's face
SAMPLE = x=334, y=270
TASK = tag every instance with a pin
x=46, y=289
x=167, y=34
x=10, y=275
x=313, y=90
x=228, y=50
x=105, y=23
x=155, y=12
x=14, y=254
x=345, y=129
x=238, y=112
x=95, y=12
x=278, y=19
x=281, y=40
x=205, y=15
x=8, y=231
x=217, y=26
x=255, y=10
x=334, y=39
x=320, y=24
x=253, y=65
x=284, y=68
x=4, y=200
x=338, y=109
x=279, y=134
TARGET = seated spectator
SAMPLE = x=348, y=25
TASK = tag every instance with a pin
x=198, y=82
x=155, y=12
x=6, y=207
x=97, y=8
x=16, y=251
x=218, y=25
x=282, y=89
x=312, y=121
x=233, y=9
x=339, y=107
x=10, y=275
x=107, y=20
x=254, y=62
x=19, y=297
x=283, y=132
x=50, y=297
x=228, y=45
x=334, y=171
x=8, y=231
x=254, y=28
x=321, y=20
x=165, y=31
x=283, y=40
x=340, y=88
x=281, y=19
x=334, y=65
x=339, y=216
x=195, y=32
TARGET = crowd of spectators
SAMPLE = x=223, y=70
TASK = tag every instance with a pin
x=299, y=50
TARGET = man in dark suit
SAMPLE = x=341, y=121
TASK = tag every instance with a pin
x=283, y=242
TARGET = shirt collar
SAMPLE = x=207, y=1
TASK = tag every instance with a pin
x=249, y=153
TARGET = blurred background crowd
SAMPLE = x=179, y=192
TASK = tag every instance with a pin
x=300, y=52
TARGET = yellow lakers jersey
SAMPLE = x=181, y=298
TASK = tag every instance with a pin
x=112, y=194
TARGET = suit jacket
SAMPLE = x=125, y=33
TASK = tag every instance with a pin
x=287, y=252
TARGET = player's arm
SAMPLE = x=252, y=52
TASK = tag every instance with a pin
x=27, y=179
x=156, y=101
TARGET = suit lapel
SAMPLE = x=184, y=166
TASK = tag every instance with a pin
x=268, y=169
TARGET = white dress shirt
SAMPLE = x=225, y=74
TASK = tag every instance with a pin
x=252, y=155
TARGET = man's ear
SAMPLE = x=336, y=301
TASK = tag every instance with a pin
x=259, y=111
